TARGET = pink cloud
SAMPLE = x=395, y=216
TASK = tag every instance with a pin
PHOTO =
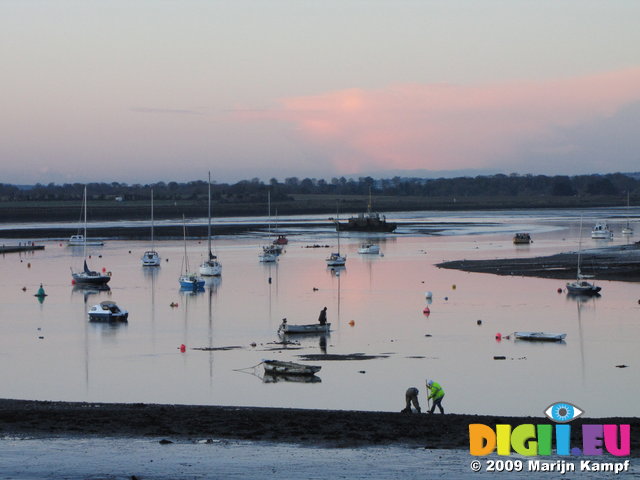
x=437, y=126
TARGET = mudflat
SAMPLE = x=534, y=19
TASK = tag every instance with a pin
x=339, y=428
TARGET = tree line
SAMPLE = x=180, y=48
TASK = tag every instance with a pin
x=255, y=190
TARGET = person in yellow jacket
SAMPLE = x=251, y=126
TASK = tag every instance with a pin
x=436, y=392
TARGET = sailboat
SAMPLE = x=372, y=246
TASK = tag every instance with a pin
x=581, y=286
x=87, y=276
x=80, y=239
x=627, y=229
x=188, y=280
x=210, y=267
x=269, y=253
x=151, y=258
x=335, y=259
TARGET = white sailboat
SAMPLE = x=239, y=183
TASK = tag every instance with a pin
x=87, y=276
x=269, y=253
x=151, y=258
x=336, y=259
x=581, y=286
x=80, y=239
x=188, y=280
x=210, y=267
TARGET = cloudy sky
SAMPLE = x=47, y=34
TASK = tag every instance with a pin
x=149, y=90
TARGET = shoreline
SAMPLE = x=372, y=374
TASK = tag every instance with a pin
x=619, y=263
x=332, y=428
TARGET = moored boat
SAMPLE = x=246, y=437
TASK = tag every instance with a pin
x=369, y=249
x=539, y=336
x=151, y=258
x=212, y=266
x=582, y=287
x=287, y=328
x=278, y=367
x=107, y=311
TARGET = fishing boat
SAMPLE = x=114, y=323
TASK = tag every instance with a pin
x=368, y=221
x=151, y=258
x=88, y=276
x=521, y=238
x=210, y=267
x=107, y=312
x=287, y=328
x=188, y=280
x=540, y=336
x=80, y=239
x=601, y=231
x=581, y=286
x=369, y=249
x=278, y=367
x=627, y=229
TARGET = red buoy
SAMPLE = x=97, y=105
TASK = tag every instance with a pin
x=498, y=336
x=183, y=348
x=426, y=311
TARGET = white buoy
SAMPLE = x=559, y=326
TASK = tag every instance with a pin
x=428, y=295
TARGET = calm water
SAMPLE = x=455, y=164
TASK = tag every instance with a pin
x=383, y=296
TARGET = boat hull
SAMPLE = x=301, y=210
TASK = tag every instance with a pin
x=539, y=336
x=150, y=259
x=277, y=367
x=211, y=268
x=302, y=329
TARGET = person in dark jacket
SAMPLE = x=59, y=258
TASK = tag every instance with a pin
x=323, y=316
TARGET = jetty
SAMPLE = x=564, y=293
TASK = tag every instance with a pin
x=21, y=247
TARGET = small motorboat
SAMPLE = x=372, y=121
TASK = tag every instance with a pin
x=286, y=328
x=107, y=311
x=369, y=249
x=278, y=367
x=539, y=336
x=521, y=239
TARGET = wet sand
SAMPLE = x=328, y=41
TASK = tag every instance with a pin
x=335, y=428
x=621, y=263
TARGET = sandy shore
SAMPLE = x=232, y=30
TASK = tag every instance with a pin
x=620, y=263
x=341, y=428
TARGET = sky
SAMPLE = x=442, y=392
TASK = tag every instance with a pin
x=141, y=91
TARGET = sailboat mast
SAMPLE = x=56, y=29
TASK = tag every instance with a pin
x=269, y=211
x=152, y=245
x=84, y=204
x=209, y=214
x=184, y=234
x=578, y=274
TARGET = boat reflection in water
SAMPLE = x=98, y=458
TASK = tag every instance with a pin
x=271, y=378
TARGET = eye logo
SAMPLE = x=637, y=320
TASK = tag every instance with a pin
x=563, y=412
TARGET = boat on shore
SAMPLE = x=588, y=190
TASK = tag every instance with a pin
x=521, y=238
x=601, y=231
x=278, y=367
x=539, y=336
x=287, y=328
x=107, y=311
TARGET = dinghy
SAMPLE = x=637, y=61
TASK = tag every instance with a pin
x=287, y=328
x=539, y=336
x=278, y=367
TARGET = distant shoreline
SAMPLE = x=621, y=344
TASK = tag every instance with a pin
x=340, y=428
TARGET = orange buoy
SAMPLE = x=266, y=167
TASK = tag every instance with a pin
x=351, y=323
